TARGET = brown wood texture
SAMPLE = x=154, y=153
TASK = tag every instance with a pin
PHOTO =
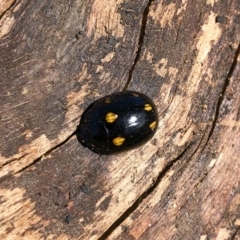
x=56, y=57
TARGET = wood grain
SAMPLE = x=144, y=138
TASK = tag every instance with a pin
x=58, y=57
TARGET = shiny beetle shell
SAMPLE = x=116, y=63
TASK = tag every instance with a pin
x=118, y=122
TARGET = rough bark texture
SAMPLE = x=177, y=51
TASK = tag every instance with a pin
x=56, y=57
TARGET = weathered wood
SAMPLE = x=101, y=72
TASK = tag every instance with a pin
x=58, y=57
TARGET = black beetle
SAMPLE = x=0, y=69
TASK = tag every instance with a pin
x=118, y=122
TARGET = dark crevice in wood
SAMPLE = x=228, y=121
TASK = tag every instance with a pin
x=1, y=16
x=144, y=195
x=140, y=42
x=233, y=237
x=12, y=160
x=48, y=152
x=201, y=178
x=224, y=88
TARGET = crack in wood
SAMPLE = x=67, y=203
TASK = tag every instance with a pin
x=14, y=159
x=47, y=153
x=140, y=42
x=7, y=9
x=145, y=194
x=224, y=88
x=235, y=233
x=201, y=178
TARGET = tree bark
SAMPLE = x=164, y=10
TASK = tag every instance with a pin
x=57, y=57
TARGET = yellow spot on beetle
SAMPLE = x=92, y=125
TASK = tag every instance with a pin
x=135, y=95
x=111, y=117
x=153, y=125
x=147, y=107
x=118, y=141
x=108, y=100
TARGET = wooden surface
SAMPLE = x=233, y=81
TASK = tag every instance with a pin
x=56, y=57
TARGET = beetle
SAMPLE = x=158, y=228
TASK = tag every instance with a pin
x=118, y=122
